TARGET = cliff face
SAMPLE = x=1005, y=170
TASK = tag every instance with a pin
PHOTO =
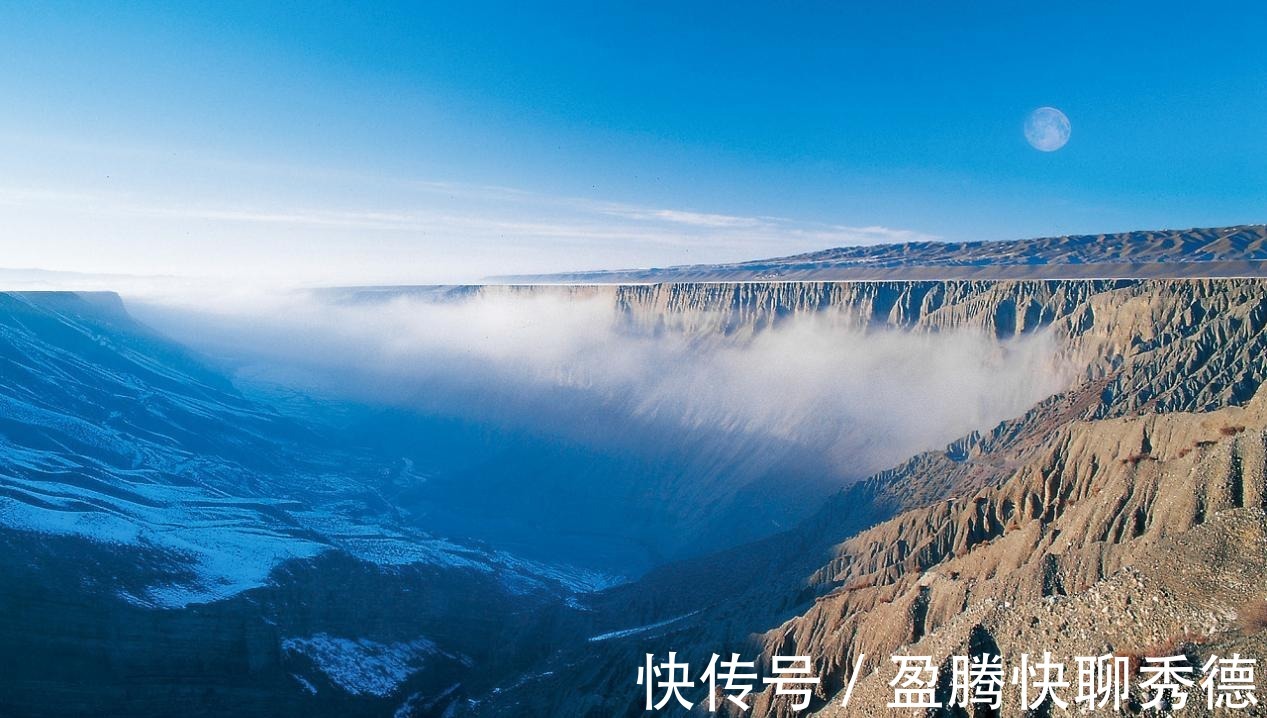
x=1165, y=345
x=1144, y=476
x=1156, y=345
x=1002, y=309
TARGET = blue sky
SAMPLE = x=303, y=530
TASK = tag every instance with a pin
x=319, y=142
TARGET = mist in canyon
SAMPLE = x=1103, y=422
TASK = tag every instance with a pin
x=560, y=423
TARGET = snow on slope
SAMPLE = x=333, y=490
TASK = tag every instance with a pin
x=360, y=666
x=110, y=433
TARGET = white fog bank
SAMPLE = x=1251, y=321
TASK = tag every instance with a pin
x=865, y=400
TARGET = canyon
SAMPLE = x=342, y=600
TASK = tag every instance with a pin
x=180, y=532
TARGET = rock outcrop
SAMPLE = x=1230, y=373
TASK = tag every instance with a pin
x=1130, y=536
x=1136, y=494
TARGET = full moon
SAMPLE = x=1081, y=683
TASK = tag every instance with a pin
x=1047, y=129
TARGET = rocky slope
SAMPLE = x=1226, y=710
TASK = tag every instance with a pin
x=1215, y=252
x=168, y=541
x=1137, y=536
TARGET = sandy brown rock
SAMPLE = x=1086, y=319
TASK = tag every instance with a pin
x=1130, y=535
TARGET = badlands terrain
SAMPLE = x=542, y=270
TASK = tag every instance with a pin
x=179, y=533
x=1124, y=514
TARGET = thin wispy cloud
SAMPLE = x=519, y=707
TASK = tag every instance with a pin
x=638, y=222
x=259, y=215
x=676, y=216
